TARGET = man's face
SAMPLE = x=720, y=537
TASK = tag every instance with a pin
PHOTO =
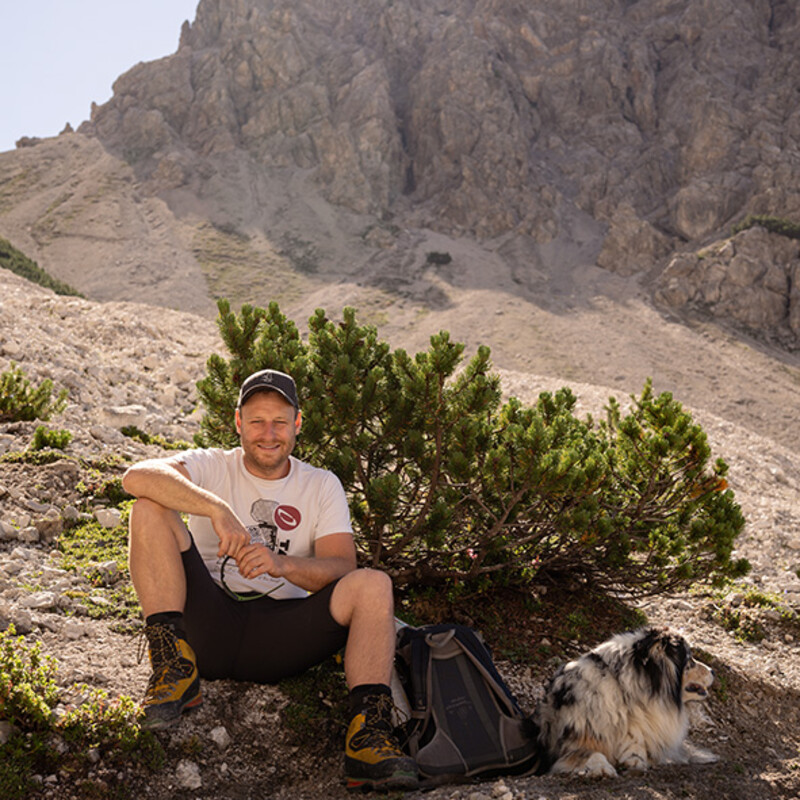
x=268, y=427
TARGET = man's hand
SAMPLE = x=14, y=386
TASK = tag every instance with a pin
x=233, y=535
x=257, y=559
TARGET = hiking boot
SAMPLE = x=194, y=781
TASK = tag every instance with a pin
x=373, y=758
x=174, y=685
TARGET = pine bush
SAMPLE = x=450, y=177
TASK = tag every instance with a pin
x=449, y=485
x=45, y=438
x=21, y=401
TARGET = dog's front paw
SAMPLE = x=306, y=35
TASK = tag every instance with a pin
x=634, y=762
x=597, y=766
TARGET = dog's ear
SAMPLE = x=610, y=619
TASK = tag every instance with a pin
x=644, y=645
x=663, y=641
x=677, y=651
x=648, y=657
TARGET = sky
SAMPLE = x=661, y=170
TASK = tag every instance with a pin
x=57, y=56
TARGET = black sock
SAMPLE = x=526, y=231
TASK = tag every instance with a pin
x=360, y=693
x=173, y=619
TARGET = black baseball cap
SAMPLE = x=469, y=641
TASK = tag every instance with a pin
x=269, y=380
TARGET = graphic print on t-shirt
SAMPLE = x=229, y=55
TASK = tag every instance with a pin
x=271, y=517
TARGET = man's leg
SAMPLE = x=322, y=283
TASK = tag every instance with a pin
x=363, y=602
x=157, y=537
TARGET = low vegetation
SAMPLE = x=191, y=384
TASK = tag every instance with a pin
x=101, y=556
x=783, y=227
x=18, y=263
x=236, y=267
x=752, y=615
x=47, y=734
x=139, y=435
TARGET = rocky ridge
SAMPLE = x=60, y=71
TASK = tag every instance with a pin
x=482, y=112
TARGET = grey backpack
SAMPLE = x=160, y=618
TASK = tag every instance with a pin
x=464, y=722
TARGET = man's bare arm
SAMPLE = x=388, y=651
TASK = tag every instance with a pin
x=334, y=556
x=169, y=485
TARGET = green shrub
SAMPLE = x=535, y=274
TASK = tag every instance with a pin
x=18, y=263
x=105, y=489
x=784, y=227
x=448, y=485
x=132, y=432
x=742, y=614
x=28, y=689
x=28, y=693
x=20, y=401
x=44, y=438
x=745, y=627
x=36, y=458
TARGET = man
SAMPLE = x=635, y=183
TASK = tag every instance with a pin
x=263, y=583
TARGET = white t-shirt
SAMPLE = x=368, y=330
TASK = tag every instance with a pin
x=286, y=515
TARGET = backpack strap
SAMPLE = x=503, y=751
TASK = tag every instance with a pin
x=420, y=666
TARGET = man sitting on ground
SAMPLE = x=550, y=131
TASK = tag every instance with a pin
x=263, y=583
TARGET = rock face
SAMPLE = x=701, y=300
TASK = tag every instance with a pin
x=752, y=278
x=485, y=115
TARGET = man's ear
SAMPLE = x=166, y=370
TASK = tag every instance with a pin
x=298, y=422
x=238, y=421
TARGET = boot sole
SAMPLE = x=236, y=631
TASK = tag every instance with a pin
x=402, y=781
x=159, y=723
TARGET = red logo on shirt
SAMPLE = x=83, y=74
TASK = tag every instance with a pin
x=287, y=518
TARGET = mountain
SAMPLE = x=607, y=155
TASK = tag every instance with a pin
x=414, y=158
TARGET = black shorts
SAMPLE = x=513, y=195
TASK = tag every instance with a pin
x=262, y=640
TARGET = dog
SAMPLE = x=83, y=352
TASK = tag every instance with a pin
x=622, y=705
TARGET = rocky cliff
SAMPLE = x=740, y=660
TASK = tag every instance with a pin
x=488, y=114
x=649, y=126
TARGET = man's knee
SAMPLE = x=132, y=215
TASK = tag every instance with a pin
x=367, y=589
x=373, y=582
x=144, y=506
x=145, y=513
x=150, y=518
